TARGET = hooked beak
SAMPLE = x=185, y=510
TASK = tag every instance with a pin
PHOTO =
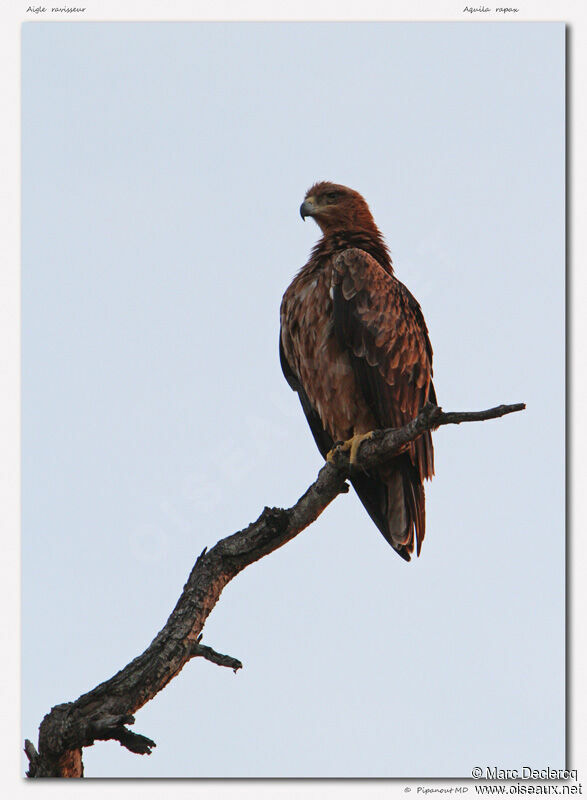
x=307, y=209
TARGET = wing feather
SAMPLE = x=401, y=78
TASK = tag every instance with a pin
x=381, y=326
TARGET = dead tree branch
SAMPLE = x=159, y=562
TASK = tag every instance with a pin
x=105, y=711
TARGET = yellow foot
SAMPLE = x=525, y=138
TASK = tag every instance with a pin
x=352, y=445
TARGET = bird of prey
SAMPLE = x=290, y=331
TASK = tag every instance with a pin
x=355, y=347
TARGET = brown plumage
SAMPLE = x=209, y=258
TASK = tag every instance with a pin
x=355, y=347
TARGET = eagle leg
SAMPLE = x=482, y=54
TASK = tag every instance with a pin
x=352, y=444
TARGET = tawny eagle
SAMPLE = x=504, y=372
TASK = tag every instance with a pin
x=355, y=347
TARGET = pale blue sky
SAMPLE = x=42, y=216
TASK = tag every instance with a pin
x=163, y=166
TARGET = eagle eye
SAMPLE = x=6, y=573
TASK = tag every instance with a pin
x=332, y=195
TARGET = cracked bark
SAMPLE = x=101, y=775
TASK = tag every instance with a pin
x=105, y=712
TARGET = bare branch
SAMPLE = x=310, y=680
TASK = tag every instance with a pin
x=107, y=728
x=33, y=757
x=209, y=654
x=104, y=712
x=393, y=440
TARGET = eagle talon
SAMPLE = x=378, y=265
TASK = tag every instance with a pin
x=331, y=453
x=355, y=443
x=351, y=444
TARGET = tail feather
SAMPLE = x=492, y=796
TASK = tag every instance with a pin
x=395, y=501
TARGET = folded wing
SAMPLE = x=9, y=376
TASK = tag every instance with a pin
x=381, y=326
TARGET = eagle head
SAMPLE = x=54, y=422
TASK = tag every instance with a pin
x=336, y=207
